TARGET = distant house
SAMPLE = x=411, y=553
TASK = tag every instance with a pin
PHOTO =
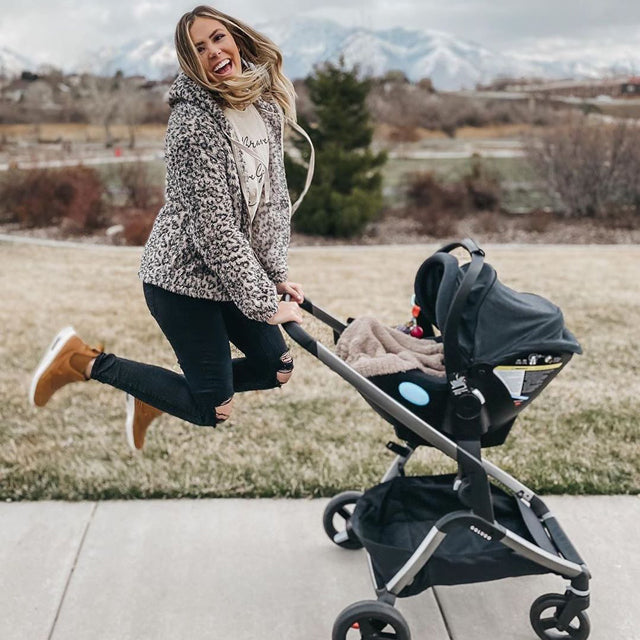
x=631, y=87
x=31, y=94
x=38, y=93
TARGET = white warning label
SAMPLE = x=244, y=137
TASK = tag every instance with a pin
x=521, y=381
x=512, y=378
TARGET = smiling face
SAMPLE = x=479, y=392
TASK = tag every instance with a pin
x=216, y=48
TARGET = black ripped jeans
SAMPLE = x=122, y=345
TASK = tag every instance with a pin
x=199, y=331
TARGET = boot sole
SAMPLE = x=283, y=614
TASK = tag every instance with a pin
x=49, y=356
x=128, y=425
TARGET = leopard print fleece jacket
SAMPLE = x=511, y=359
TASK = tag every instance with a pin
x=202, y=243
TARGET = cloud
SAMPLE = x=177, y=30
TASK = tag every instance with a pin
x=147, y=10
x=60, y=31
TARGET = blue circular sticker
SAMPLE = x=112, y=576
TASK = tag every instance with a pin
x=414, y=393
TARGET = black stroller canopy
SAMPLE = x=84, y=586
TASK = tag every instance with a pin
x=496, y=322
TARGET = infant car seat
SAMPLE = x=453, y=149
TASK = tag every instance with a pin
x=501, y=348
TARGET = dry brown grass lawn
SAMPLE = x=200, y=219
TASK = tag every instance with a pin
x=78, y=132
x=75, y=132
x=315, y=436
x=386, y=132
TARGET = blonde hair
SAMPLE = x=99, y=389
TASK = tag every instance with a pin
x=262, y=77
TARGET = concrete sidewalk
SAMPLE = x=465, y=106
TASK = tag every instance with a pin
x=264, y=569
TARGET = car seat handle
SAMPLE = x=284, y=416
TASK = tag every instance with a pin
x=467, y=244
x=453, y=358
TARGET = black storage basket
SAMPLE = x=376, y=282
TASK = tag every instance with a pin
x=393, y=518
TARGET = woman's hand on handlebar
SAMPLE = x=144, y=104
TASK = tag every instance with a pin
x=293, y=289
x=287, y=312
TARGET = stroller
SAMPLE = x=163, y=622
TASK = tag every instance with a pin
x=501, y=348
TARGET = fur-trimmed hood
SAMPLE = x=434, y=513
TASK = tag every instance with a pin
x=184, y=89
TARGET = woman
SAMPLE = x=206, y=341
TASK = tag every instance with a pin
x=215, y=263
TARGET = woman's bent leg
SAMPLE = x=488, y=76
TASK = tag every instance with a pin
x=161, y=388
x=268, y=362
x=196, y=331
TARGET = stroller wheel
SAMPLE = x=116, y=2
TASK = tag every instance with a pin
x=370, y=620
x=544, y=615
x=337, y=519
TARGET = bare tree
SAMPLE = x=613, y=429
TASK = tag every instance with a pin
x=592, y=168
x=132, y=108
x=100, y=103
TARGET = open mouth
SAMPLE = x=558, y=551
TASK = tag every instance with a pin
x=224, y=67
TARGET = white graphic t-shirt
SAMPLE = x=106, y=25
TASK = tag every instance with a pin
x=249, y=129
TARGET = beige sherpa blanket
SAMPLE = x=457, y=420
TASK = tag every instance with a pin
x=374, y=349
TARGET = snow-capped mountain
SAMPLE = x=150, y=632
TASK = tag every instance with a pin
x=450, y=62
x=152, y=58
x=306, y=42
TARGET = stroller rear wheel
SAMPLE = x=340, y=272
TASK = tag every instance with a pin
x=370, y=620
x=337, y=519
x=547, y=625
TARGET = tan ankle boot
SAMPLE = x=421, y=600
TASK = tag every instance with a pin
x=63, y=362
x=139, y=417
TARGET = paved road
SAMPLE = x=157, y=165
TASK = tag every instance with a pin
x=264, y=569
x=22, y=163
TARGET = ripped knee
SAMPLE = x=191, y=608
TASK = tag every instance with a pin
x=286, y=368
x=223, y=411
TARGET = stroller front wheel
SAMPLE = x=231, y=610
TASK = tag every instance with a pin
x=337, y=519
x=370, y=620
x=547, y=625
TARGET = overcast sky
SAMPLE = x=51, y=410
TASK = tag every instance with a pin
x=60, y=31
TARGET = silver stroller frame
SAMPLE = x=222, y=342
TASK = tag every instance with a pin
x=553, y=549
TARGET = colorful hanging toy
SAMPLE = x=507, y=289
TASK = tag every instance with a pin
x=412, y=327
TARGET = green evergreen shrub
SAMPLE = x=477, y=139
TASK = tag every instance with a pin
x=346, y=193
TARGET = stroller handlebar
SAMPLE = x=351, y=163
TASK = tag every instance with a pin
x=297, y=333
